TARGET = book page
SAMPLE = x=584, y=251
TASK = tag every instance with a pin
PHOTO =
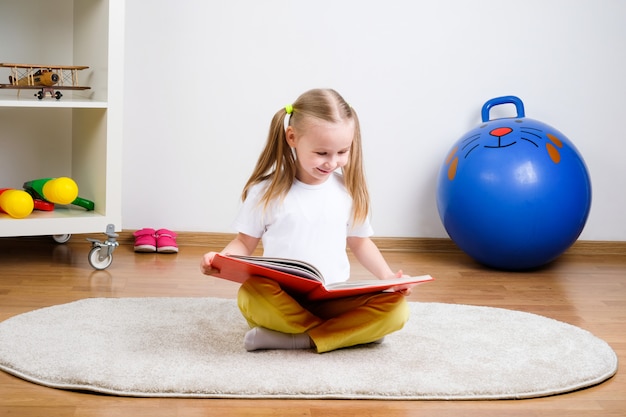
x=290, y=266
x=377, y=282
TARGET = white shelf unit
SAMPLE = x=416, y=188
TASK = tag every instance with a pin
x=78, y=136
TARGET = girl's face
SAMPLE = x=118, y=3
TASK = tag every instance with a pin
x=321, y=147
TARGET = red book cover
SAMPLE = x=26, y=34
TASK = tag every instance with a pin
x=299, y=277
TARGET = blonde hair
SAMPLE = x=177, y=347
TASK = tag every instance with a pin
x=277, y=164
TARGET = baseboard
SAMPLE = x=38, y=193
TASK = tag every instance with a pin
x=216, y=241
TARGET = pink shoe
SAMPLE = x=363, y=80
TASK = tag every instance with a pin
x=145, y=240
x=166, y=241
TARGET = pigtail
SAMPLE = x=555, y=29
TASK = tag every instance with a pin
x=354, y=176
x=276, y=163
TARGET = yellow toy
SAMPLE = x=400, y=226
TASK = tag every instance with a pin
x=16, y=203
x=62, y=190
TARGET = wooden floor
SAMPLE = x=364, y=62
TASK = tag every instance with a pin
x=588, y=291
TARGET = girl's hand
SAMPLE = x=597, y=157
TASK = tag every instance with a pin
x=205, y=264
x=402, y=289
x=240, y=245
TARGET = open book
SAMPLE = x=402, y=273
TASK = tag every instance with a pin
x=298, y=277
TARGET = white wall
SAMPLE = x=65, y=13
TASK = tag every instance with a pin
x=205, y=77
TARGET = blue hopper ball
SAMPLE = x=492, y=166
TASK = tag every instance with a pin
x=513, y=193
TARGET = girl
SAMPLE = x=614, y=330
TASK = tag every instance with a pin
x=301, y=207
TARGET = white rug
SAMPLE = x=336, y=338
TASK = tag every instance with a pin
x=192, y=347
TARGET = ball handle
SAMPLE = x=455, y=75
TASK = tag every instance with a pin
x=519, y=106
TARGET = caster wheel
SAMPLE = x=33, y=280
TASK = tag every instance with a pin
x=94, y=259
x=61, y=238
x=58, y=95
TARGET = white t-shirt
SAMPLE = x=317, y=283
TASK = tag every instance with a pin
x=311, y=224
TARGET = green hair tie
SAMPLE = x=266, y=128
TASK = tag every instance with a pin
x=289, y=108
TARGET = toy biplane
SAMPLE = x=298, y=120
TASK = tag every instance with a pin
x=45, y=78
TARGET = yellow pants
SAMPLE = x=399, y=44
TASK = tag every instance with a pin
x=331, y=324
